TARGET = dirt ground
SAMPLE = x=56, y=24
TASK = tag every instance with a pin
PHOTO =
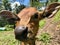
x=52, y=28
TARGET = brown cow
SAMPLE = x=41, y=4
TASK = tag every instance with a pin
x=27, y=22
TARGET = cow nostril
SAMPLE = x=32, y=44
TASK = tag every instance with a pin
x=21, y=32
x=21, y=29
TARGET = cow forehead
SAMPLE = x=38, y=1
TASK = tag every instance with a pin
x=25, y=15
x=27, y=12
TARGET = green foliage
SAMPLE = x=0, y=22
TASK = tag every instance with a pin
x=19, y=8
x=52, y=1
x=6, y=5
x=42, y=23
x=3, y=22
x=35, y=3
x=45, y=37
x=56, y=17
x=8, y=38
x=58, y=0
x=9, y=27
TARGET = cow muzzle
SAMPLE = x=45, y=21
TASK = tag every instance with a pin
x=21, y=33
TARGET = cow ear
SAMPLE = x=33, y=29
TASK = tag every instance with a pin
x=51, y=10
x=9, y=16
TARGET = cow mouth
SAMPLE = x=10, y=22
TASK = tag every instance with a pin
x=23, y=37
x=22, y=34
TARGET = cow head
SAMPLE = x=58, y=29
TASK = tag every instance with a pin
x=27, y=21
x=28, y=25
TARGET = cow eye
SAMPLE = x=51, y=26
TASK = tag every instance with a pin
x=35, y=16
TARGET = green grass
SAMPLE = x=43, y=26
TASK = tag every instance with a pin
x=42, y=23
x=45, y=38
x=56, y=17
x=7, y=38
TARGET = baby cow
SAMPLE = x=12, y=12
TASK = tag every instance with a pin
x=27, y=22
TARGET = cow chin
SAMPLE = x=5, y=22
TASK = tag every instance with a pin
x=21, y=38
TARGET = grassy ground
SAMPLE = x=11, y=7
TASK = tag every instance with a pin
x=7, y=38
x=57, y=16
